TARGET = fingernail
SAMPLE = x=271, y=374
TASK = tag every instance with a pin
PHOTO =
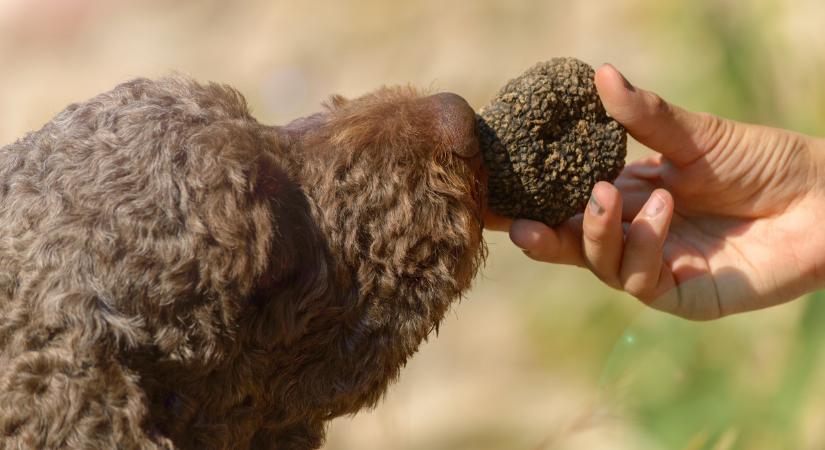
x=627, y=83
x=654, y=206
x=594, y=206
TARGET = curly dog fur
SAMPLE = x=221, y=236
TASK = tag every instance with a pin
x=174, y=274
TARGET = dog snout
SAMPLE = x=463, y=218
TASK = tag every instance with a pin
x=456, y=124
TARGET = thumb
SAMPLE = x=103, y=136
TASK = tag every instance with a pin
x=681, y=136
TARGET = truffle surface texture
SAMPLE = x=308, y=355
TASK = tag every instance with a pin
x=547, y=140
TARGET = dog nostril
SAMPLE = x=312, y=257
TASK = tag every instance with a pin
x=455, y=122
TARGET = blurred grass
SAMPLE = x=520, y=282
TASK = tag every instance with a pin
x=537, y=356
x=694, y=385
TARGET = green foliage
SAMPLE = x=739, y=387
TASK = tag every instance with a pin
x=696, y=385
x=733, y=59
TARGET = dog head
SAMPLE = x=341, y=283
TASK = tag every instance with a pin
x=394, y=180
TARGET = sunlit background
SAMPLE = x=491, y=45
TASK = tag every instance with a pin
x=536, y=356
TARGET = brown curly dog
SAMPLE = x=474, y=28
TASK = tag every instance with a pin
x=174, y=274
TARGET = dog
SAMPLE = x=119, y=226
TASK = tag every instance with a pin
x=176, y=275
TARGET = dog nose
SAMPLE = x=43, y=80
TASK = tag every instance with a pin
x=456, y=124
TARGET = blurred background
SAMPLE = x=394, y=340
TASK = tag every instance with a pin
x=536, y=356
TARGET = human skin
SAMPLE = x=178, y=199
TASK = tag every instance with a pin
x=723, y=218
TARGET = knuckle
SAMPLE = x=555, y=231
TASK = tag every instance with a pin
x=638, y=286
x=594, y=234
x=654, y=109
x=658, y=105
x=710, y=129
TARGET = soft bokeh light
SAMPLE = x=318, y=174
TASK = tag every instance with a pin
x=536, y=356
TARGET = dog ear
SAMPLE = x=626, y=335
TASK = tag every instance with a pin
x=298, y=281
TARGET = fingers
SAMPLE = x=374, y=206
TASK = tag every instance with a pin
x=634, y=192
x=631, y=262
x=602, y=234
x=494, y=222
x=681, y=136
x=559, y=245
x=648, y=168
x=642, y=273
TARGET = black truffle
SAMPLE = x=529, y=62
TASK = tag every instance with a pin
x=547, y=140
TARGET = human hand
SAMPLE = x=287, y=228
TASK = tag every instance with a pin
x=725, y=218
